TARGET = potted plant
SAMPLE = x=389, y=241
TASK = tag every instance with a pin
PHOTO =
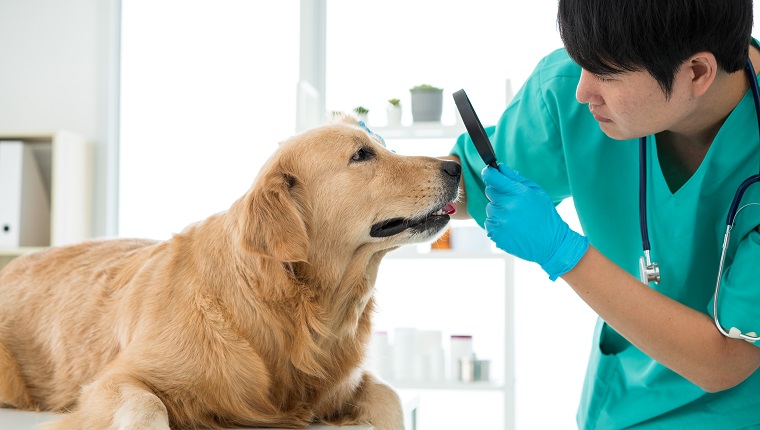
x=394, y=112
x=361, y=113
x=427, y=103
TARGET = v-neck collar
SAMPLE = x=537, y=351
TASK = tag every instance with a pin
x=658, y=176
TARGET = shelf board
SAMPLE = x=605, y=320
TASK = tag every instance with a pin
x=15, y=252
x=28, y=137
x=447, y=385
x=424, y=130
x=411, y=253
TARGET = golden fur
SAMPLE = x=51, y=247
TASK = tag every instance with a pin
x=256, y=316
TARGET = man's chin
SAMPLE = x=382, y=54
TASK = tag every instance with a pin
x=614, y=132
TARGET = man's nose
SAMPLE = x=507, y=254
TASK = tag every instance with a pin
x=588, y=91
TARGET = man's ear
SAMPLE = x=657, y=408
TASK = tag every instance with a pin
x=704, y=69
x=277, y=218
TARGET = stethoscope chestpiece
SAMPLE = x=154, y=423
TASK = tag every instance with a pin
x=648, y=271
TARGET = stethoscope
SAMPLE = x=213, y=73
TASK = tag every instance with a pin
x=649, y=271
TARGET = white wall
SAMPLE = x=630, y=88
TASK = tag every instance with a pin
x=55, y=74
x=206, y=98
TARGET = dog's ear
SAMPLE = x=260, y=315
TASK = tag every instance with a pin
x=277, y=214
x=338, y=117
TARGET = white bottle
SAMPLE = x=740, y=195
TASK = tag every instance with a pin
x=404, y=351
x=380, y=355
x=461, y=348
x=429, y=358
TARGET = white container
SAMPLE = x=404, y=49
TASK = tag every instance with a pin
x=380, y=355
x=470, y=239
x=461, y=348
x=404, y=351
x=428, y=361
x=472, y=370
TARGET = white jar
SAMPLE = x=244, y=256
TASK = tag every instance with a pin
x=472, y=369
x=404, y=351
x=429, y=357
x=380, y=355
x=461, y=348
x=470, y=239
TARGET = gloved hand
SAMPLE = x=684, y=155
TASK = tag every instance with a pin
x=522, y=221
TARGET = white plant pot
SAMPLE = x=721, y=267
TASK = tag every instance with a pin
x=394, y=116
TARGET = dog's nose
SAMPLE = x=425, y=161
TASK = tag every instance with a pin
x=451, y=168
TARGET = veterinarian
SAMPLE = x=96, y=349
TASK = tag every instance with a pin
x=672, y=72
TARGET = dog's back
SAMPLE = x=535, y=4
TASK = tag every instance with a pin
x=59, y=294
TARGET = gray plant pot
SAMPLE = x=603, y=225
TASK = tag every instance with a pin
x=427, y=105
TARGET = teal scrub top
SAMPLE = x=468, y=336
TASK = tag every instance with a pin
x=548, y=136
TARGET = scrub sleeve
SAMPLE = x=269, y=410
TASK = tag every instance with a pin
x=549, y=137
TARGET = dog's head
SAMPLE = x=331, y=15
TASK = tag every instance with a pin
x=338, y=188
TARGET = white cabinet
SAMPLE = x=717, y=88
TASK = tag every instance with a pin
x=63, y=160
x=454, y=292
x=448, y=292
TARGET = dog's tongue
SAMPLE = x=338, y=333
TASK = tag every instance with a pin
x=450, y=208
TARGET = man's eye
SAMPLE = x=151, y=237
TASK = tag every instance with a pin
x=362, y=154
x=604, y=78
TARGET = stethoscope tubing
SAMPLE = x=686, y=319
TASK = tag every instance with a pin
x=755, y=90
x=738, y=198
x=643, y=193
x=730, y=217
x=754, y=178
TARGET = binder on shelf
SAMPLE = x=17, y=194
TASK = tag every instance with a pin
x=24, y=198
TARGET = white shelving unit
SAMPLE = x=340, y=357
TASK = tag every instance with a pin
x=435, y=139
x=64, y=159
x=505, y=384
x=430, y=139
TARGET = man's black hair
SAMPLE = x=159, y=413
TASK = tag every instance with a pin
x=606, y=37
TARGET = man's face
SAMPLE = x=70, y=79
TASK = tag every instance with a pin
x=632, y=104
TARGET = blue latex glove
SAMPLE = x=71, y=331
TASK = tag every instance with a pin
x=522, y=221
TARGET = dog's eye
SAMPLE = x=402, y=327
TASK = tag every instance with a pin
x=363, y=154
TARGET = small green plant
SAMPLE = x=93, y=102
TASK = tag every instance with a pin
x=425, y=87
x=395, y=102
x=361, y=110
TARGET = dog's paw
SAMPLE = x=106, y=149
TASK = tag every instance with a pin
x=141, y=412
x=66, y=422
x=138, y=412
x=75, y=422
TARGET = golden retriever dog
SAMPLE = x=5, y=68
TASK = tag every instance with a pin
x=257, y=316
